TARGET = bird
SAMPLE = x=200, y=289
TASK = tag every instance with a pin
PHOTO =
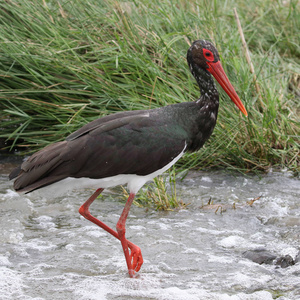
x=131, y=147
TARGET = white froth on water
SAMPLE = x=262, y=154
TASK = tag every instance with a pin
x=48, y=251
x=11, y=284
x=232, y=241
x=149, y=288
x=4, y=261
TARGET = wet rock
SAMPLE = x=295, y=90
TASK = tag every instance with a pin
x=260, y=256
x=285, y=261
x=263, y=256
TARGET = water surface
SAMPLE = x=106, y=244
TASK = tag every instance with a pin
x=48, y=251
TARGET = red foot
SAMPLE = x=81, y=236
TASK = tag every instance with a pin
x=136, y=258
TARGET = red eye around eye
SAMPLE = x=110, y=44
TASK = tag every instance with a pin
x=208, y=55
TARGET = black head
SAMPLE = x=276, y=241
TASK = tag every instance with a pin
x=201, y=53
x=203, y=59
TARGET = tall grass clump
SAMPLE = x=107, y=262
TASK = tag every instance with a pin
x=65, y=63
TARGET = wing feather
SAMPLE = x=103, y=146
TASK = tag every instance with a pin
x=109, y=122
x=124, y=143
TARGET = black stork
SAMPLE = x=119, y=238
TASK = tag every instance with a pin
x=131, y=147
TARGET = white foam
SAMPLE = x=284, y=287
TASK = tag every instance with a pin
x=96, y=233
x=206, y=179
x=137, y=227
x=10, y=194
x=40, y=245
x=15, y=237
x=191, y=251
x=46, y=222
x=292, y=251
x=4, y=261
x=248, y=281
x=164, y=226
x=232, y=241
x=149, y=287
x=11, y=284
x=71, y=247
x=220, y=259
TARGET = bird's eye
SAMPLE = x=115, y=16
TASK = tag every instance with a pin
x=208, y=55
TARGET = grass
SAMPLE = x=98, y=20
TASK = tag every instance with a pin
x=65, y=63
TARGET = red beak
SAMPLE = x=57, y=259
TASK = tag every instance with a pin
x=217, y=71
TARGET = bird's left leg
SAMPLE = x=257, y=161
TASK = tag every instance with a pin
x=134, y=260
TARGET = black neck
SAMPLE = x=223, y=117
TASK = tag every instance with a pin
x=207, y=104
x=205, y=82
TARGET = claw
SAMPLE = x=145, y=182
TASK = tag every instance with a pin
x=136, y=257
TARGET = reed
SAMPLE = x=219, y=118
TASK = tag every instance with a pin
x=65, y=63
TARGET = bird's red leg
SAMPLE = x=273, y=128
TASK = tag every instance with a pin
x=136, y=254
x=134, y=259
x=84, y=211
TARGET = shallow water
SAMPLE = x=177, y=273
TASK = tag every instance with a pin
x=48, y=251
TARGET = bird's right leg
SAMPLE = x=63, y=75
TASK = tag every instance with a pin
x=134, y=259
x=135, y=255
